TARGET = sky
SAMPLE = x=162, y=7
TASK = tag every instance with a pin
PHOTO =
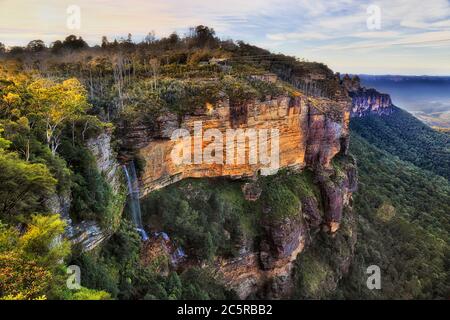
x=409, y=37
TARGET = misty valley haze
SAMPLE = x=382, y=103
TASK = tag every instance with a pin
x=427, y=97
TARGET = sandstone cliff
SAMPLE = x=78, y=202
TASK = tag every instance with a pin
x=366, y=101
x=312, y=132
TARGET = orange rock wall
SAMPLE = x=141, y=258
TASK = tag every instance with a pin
x=306, y=137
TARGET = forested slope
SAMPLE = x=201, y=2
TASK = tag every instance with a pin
x=403, y=224
x=408, y=138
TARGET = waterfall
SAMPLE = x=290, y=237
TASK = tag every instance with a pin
x=134, y=205
x=133, y=198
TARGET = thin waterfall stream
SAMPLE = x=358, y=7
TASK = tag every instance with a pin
x=136, y=214
x=133, y=196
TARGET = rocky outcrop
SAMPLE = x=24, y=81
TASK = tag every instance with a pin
x=370, y=101
x=106, y=159
x=86, y=234
x=266, y=273
x=337, y=186
x=366, y=101
x=326, y=260
x=311, y=212
x=280, y=241
x=324, y=139
x=267, y=269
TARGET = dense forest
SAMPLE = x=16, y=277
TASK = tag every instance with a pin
x=403, y=202
x=41, y=155
x=408, y=138
x=403, y=227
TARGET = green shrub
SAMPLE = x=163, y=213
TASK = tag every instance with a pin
x=97, y=273
x=283, y=203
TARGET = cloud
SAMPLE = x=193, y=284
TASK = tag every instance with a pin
x=298, y=36
x=320, y=27
x=376, y=34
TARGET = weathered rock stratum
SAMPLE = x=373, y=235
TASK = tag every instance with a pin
x=311, y=132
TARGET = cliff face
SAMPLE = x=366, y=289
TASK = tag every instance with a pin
x=89, y=234
x=369, y=101
x=270, y=270
x=312, y=131
x=308, y=137
x=366, y=101
x=267, y=272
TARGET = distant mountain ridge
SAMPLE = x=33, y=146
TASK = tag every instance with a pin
x=381, y=123
x=364, y=77
x=426, y=97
